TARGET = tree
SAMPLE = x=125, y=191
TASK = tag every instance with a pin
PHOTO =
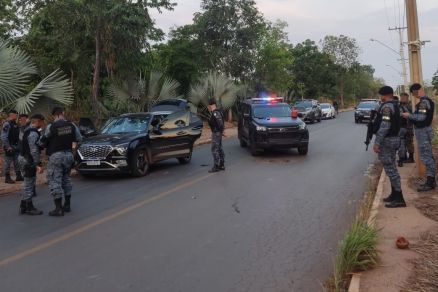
x=141, y=94
x=229, y=32
x=274, y=59
x=435, y=80
x=314, y=71
x=110, y=36
x=15, y=82
x=344, y=52
x=214, y=85
x=8, y=18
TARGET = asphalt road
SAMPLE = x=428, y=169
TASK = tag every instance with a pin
x=269, y=223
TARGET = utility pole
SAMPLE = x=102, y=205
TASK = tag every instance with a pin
x=402, y=56
x=414, y=45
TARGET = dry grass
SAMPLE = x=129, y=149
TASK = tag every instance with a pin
x=424, y=277
x=428, y=206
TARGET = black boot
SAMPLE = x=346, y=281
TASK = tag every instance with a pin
x=214, y=169
x=390, y=197
x=428, y=186
x=19, y=177
x=397, y=202
x=222, y=165
x=34, y=193
x=22, y=207
x=66, y=206
x=410, y=159
x=58, y=211
x=31, y=210
x=8, y=179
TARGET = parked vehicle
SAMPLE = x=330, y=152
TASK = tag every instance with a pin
x=267, y=123
x=130, y=143
x=309, y=110
x=328, y=111
x=363, y=111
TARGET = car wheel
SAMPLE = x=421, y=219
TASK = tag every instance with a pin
x=303, y=150
x=187, y=159
x=356, y=121
x=319, y=119
x=253, y=148
x=242, y=143
x=139, y=163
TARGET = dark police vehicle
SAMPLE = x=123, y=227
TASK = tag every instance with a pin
x=130, y=143
x=363, y=110
x=309, y=110
x=268, y=123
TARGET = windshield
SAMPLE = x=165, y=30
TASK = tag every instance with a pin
x=325, y=105
x=367, y=105
x=305, y=104
x=272, y=111
x=127, y=125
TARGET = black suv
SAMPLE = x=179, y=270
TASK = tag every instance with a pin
x=309, y=110
x=269, y=124
x=130, y=143
x=363, y=110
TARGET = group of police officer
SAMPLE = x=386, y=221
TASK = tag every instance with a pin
x=394, y=124
x=25, y=152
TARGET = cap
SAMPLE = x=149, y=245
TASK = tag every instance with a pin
x=57, y=111
x=23, y=116
x=415, y=87
x=386, y=90
x=12, y=111
x=404, y=94
x=212, y=101
x=396, y=98
x=37, y=117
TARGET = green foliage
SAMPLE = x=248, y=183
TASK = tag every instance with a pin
x=357, y=252
x=435, y=80
x=217, y=86
x=16, y=75
x=229, y=32
x=141, y=94
x=314, y=71
x=8, y=18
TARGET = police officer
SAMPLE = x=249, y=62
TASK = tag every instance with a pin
x=217, y=126
x=387, y=143
x=406, y=132
x=422, y=119
x=30, y=163
x=10, y=137
x=58, y=139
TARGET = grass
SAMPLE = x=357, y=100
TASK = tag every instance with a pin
x=425, y=271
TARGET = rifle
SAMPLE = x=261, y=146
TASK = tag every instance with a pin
x=370, y=129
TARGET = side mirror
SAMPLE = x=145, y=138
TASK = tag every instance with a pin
x=355, y=107
x=155, y=123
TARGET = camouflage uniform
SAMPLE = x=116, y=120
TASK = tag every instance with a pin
x=406, y=135
x=424, y=133
x=388, y=143
x=10, y=138
x=29, y=164
x=216, y=123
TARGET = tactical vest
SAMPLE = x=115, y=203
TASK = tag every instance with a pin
x=62, y=136
x=217, y=124
x=395, y=120
x=429, y=114
x=14, y=133
x=25, y=148
x=403, y=109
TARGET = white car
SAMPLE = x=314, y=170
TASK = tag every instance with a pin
x=328, y=111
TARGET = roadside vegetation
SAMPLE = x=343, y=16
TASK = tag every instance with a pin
x=117, y=59
x=357, y=251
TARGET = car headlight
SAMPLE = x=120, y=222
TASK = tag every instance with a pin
x=260, y=128
x=303, y=126
x=122, y=149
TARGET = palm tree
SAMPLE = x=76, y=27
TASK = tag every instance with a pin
x=142, y=94
x=16, y=71
x=217, y=86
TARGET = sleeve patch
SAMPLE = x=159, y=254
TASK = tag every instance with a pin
x=386, y=114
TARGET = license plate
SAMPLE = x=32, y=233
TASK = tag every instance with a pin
x=93, y=163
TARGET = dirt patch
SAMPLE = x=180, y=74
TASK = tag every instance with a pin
x=428, y=206
x=425, y=272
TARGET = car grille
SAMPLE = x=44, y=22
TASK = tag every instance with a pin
x=94, y=151
x=283, y=130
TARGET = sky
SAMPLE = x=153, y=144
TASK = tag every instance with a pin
x=362, y=20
